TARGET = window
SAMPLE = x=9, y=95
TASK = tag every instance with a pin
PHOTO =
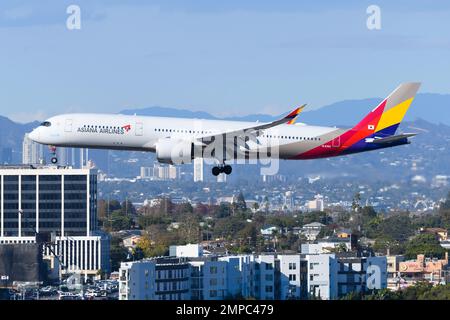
x=269, y=266
x=213, y=270
x=213, y=282
x=292, y=266
x=213, y=293
x=292, y=277
x=269, y=289
x=46, y=124
x=269, y=277
x=313, y=264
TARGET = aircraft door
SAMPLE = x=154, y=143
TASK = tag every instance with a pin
x=68, y=126
x=139, y=129
x=337, y=142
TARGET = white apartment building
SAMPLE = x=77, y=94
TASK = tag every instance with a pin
x=334, y=275
x=359, y=274
x=209, y=279
x=290, y=276
x=240, y=275
x=263, y=277
x=265, y=282
x=189, y=250
x=163, y=278
x=326, y=246
x=321, y=276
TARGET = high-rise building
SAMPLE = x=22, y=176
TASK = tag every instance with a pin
x=63, y=156
x=289, y=200
x=198, y=169
x=317, y=204
x=160, y=172
x=32, y=152
x=61, y=202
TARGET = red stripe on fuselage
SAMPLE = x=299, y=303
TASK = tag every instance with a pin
x=335, y=146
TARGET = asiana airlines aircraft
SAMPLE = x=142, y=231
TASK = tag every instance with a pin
x=180, y=140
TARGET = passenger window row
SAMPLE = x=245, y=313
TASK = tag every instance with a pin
x=264, y=135
x=182, y=131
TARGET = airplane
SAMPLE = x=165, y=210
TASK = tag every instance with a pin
x=180, y=140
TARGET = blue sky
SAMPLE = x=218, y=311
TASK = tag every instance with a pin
x=224, y=57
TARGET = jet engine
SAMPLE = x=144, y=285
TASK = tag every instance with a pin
x=174, y=151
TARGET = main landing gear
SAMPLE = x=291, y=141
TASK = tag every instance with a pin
x=221, y=169
x=54, y=159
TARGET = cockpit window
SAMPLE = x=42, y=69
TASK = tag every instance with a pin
x=46, y=124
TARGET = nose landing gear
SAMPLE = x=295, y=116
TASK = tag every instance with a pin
x=54, y=159
x=221, y=169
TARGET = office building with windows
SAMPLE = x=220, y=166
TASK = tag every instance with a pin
x=58, y=203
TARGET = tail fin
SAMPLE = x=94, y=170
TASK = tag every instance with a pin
x=397, y=104
x=386, y=117
x=384, y=120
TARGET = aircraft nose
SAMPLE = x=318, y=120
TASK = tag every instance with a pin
x=34, y=135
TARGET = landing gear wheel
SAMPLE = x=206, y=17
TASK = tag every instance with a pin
x=227, y=169
x=216, y=171
x=54, y=159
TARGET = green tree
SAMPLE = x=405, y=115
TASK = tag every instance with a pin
x=356, y=202
x=224, y=210
x=190, y=228
x=118, y=253
x=117, y=221
x=397, y=227
x=444, y=212
x=239, y=204
x=128, y=208
x=426, y=244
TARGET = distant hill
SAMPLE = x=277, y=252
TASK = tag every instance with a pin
x=431, y=107
x=11, y=133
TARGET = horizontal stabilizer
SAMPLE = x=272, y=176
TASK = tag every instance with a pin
x=392, y=139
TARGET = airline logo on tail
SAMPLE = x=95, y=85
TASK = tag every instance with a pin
x=377, y=127
x=293, y=115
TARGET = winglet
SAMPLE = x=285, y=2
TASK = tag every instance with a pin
x=291, y=117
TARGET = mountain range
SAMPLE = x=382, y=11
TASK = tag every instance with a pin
x=431, y=107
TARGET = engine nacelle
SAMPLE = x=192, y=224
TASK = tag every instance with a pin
x=174, y=151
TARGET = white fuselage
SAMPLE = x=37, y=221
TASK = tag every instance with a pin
x=125, y=132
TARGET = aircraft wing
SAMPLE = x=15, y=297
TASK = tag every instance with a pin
x=251, y=131
x=392, y=139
